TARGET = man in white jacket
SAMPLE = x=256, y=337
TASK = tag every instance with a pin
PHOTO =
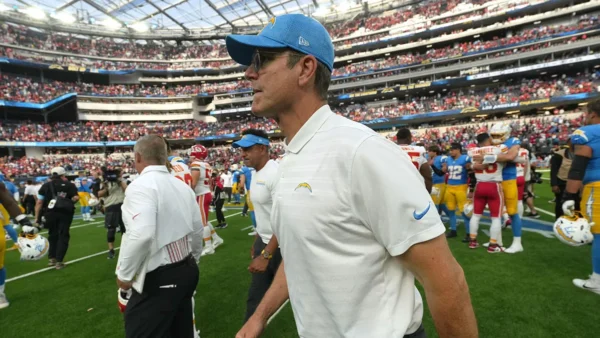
x=161, y=247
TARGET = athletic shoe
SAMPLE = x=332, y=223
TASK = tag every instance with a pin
x=253, y=233
x=208, y=250
x=588, y=284
x=52, y=262
x=221, y=226
x=217, y=242
x=536, y=215
x=473, y=244
x=3, y=302
x=60, y=266
x=467, y=239
x=514, y=248
x=494, y=248
x=552, y=200
x=507, y=222
x=111, y=254
x=451, y=234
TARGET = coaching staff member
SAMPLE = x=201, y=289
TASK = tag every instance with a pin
x=161, y=247
x=352, y=240
x=113, y=193
x=266, y=255
x=56, y=203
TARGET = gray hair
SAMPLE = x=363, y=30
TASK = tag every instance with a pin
x=152, y=149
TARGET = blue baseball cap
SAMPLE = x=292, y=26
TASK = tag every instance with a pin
x=296, y=31
x=249, y=140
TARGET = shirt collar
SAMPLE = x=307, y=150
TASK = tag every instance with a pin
x=309, y=129
x=161, y=168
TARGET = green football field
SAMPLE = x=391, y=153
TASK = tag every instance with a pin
x=524, y=295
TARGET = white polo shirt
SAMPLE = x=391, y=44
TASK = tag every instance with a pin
x=162, y=222
x=226, y=180
x=340, y=220
x=262, y=185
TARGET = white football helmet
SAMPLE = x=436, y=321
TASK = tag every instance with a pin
x=500, y=132
x=93, y=201
x=33, y=247
x=468, y=208
x=573, y=230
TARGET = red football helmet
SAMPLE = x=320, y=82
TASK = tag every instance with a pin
x=199, y=151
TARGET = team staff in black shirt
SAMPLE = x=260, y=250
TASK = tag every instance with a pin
x=55, y=209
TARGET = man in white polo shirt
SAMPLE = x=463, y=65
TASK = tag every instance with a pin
x=352, y=241
x=266, y=256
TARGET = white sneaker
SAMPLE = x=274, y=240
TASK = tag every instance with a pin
x=196, y=333
x=217, y=242
x=586, y=284
x=3, y=302
x=514, y=248
x=253, y=233
x=208, y=250
x=485, y=245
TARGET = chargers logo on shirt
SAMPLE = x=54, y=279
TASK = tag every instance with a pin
x=304, y=185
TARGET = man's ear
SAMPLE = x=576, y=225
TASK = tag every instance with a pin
x=308, y=68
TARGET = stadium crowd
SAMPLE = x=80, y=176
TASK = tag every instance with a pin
x=455, y=99
x=407, y=19
x=540, y=133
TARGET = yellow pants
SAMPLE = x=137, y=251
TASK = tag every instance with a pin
x=456, y=196
x=234, y=189
x=4, y=220
x=590, y=205
x=84, y=198
x=511, y=196
x=439, y=198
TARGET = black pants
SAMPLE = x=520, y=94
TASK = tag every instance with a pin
x=219, y=202
x=261, y=281
x=228, y=192
x=30, y=205
x=245, y=209
x=58, y=225
x=164, y=308
x=558, y=201
x=113, y=219
x=420, y=333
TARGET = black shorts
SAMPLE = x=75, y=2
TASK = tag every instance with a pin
x=527, y=191
x=113, y=217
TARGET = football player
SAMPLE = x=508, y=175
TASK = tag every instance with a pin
x=488, y=191
x=457, y=166
x=180, y=170
x=84, y=191
x=417, y=154
x=10, y=208
x=524, y=184
x=235, y=180
x=201, y=183
x=585, y=172
x=437, y=161
x=500, y=134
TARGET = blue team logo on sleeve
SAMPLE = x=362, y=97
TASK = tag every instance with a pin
x=579, y=137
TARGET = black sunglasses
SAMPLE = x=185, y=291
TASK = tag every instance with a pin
x=263, y=57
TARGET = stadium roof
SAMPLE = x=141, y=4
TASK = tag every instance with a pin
x=177, y=14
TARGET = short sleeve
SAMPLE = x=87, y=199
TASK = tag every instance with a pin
x=398, y=211
x=513, y=142
x=579, y=137
x=42, y=192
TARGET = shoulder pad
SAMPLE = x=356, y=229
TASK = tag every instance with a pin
x=579, y=137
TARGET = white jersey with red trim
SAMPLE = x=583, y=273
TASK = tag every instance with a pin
x=493, y=172
x=417, y=154
x=524, y=153
x=182, y=171
x=203, y=185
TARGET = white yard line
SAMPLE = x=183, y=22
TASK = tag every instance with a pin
x=74, y=227
x=53, y=268
x=82, y=258
x=545, y=212
x=277, y=312
x=246, y=228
